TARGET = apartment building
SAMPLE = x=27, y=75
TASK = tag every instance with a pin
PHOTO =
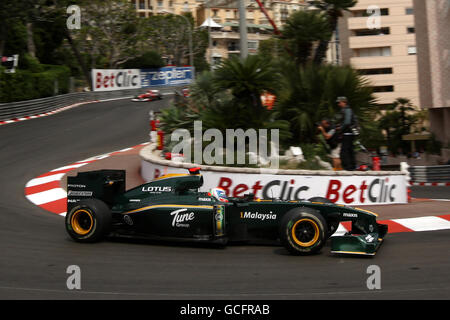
x=382, y=48
x=225, y=41
x=146, y=8
x=432, y=19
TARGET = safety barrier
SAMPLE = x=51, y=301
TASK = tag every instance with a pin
x=38, y=106
x=342, y=187
x=430, y=173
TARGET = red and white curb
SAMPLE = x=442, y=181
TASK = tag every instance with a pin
x=429, y=223
x=45, y=190
x=46, y=113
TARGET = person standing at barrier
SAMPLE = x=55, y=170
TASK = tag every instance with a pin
x=328, y=131
x=347, y=121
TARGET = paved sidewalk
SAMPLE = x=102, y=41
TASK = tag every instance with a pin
x=131, y=162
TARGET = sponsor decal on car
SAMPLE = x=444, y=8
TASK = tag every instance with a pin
x=156, y=189
x=80, y=193
x=204, y=199
x=128, y=220
x=219, y=217
x=180, y=217
x=350, y=215
x=76, y=186
x=258, y=216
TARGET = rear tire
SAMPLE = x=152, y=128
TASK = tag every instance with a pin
x=332, y=224
x=89, y=221
x=303, y=231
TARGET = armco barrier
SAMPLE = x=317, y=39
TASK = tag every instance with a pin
x=342, y=187
x=430, y=173
x=37, y=106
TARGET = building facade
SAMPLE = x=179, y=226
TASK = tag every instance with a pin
x=147, y=8
x=380, y=42
x=432, y=19
x=225, y=40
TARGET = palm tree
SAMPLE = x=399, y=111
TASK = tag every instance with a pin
x=301, y=30
x=203, y=91
x=246, y=80
x=403, y=105
x=308, y=95
x=333, y=9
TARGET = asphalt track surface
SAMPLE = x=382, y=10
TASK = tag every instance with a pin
x=36, y=251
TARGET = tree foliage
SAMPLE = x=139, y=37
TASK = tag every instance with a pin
x=308, y=94
x=301, y=30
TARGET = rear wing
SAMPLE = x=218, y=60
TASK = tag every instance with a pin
x=102, y=184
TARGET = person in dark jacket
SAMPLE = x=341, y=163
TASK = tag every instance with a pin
x=330, y=134
x=347, y=153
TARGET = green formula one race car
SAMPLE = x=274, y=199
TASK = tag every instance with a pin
x=172, y=208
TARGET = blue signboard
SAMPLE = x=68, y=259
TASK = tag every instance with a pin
x=167, y=76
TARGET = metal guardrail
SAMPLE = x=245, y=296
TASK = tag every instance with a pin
x=430, y=173
x=37, y=106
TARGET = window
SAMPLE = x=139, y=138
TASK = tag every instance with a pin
x=216, y=60
x=373, y=52
x=186, y=6
x=215, y=13
x=284, y=13
x=141, y=4
x=364, y=13
x=412, y=50
x=232, y=46
x=171, y=3
x=375, y=71
x=371, y=32
x=383, y=89
x=411, y=30
x=160, y=3
x=253, y=45
x=409, y=11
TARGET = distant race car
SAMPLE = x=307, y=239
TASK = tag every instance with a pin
x=150, y=95
x=172, y=208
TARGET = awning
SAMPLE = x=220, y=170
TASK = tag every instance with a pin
x=210, y=23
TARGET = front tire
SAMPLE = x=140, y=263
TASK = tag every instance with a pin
x=303, y=231
x=89, y=221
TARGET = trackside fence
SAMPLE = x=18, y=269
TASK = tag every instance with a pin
x=430, y=173
x=20, y=109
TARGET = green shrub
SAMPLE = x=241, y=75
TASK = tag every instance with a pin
x=26, y=85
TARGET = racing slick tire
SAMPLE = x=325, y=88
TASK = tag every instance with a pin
x=89, y=221
x=333, y=225
x=303, y=231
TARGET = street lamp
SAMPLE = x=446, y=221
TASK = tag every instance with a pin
x=243, y=29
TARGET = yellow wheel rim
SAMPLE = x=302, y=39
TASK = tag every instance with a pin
x=305, y=232
x=82, y=222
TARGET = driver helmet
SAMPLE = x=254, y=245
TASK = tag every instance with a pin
x=219, y=194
